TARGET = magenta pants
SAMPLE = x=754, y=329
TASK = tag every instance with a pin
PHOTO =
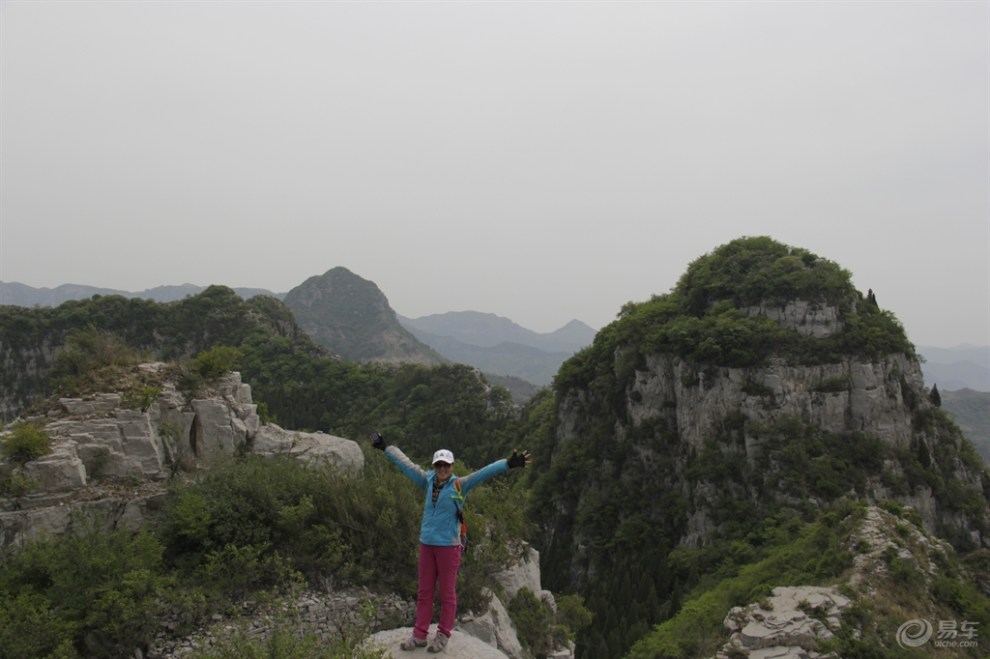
x=437, y=564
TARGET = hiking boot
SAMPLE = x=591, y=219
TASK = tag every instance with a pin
x=439, y=643
x=412, y=643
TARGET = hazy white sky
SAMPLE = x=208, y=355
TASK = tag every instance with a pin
x=539, y=160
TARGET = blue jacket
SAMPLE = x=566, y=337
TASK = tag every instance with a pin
x=440, y=526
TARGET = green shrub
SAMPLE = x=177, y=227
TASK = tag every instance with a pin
x=26, y=442
x=837, y=384
x=99, y=592
x=90, y=349
x=572, y=615
x=533, y=620
x=216, y=362
x=291, y=640
x=316, y=521
x=540, y=630
x=140, y=398
x=30, y=628
x=812, y=557
x=240, y=570
x=16, y=484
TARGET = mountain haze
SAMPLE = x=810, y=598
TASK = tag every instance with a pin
x=487, y=330
x=498, y=345
x=971, y=411
x=961, y=367
x=27, y=296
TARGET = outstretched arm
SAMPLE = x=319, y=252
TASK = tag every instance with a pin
x=397, y=457
x=516, y=460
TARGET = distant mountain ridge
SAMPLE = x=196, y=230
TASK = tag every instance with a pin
x=962, y=367
x=487, y=330
x=498, y=345
x=22, y=295
x=476, y=338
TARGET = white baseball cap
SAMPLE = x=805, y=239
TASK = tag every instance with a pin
x=443, y=455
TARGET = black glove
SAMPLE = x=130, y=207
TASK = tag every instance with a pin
x=377, y=441
x=518, y=459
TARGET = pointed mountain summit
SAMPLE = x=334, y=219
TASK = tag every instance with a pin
x=351, y=317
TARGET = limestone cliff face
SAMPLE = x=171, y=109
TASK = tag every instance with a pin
x=23, y=370
x=110, y=460
x=872, y=398
x=676, y=419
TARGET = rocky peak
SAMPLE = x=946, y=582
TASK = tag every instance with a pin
x=763, y=385
x=351, y=317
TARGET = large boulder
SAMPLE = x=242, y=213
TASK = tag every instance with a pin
x=524, y=573
x=59, y=470
x=790, y=618
x=314, y=448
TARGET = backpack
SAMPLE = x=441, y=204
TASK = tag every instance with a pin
x=459, y=503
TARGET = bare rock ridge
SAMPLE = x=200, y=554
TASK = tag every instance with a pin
x=793, y=621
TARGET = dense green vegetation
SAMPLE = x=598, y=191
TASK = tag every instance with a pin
x=703, y=319
x=257, y=529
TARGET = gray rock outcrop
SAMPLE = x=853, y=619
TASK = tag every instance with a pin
x=789, y=623
x=110, y=460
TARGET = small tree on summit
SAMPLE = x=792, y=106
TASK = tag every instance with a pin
x=871, y=298
x=934, y=396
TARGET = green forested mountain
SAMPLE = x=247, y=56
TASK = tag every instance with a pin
x=351, y=317
x=303, y=386
x=705, y=426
